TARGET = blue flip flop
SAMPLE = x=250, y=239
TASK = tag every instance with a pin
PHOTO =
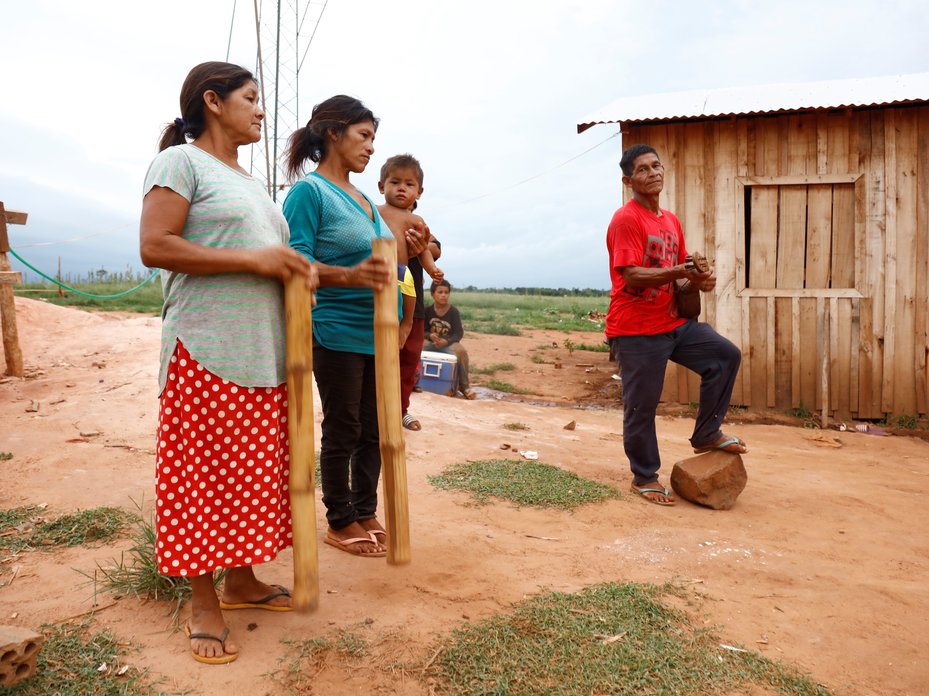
x=730, y=444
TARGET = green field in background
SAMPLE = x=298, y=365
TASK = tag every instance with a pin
x=499, y=312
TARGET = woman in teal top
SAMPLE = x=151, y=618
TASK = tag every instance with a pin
x=333, y=223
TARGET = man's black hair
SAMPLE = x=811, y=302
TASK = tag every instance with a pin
x=631, y=154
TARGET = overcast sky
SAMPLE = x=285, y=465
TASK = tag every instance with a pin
x=485, y=94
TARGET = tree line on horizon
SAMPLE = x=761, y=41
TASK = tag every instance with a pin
x=103, y=276
x=543, y=292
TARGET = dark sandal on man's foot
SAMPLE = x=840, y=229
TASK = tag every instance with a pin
x=647, y=488
x=725, y=443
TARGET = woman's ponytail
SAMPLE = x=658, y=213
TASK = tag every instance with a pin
x=173, y=134
x=305, y=144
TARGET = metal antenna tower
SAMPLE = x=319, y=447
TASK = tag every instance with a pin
x=284, y=30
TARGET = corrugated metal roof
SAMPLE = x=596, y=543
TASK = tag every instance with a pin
x=762, y=99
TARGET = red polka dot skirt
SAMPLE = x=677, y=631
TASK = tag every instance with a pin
x=222, y=460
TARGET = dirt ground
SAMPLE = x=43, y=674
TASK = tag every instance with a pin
x=823, y=561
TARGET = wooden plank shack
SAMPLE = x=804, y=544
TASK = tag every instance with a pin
x=817, y=220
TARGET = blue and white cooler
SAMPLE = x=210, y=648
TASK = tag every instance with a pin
x=437, y=372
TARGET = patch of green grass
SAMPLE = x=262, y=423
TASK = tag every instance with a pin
x=505, y=387
x=481, y=310
x=305, y=658
x=5, y=456
x=526, y=483
x=809, y=417
x=593, y=348
x=491, y=369
x=146, y=300
x=17, y=516
x=905, y=420
x=498, y=328
x=516, y=426
x=25, y=528
x=136, y=573
x=608, y=639
x=302, y=660
x=69, y=665
x=538, y=360
x=736, y=410
x=349, y=643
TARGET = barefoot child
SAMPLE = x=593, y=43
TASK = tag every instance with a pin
x=401, y=182
x=402, y=185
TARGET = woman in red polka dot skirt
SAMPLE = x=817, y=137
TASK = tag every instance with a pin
x=222, y=456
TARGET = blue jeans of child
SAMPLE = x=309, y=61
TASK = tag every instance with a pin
x=349, y=435
x=642, y=363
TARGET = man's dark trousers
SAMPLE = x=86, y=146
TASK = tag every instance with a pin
x=642, y=364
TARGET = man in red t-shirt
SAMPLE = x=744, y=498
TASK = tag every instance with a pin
x=647, y=255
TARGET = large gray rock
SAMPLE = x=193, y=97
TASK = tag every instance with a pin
x=714, y=479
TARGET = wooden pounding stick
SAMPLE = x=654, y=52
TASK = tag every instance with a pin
x=389, y=411
x=298, y=312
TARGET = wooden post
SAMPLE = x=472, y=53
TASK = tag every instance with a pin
x=389, y=412
x=298, y=310
x=824, y=374
x=11, y=349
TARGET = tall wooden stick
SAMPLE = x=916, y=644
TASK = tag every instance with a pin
x=300, y=428
x=389, y=412
x=11, y=349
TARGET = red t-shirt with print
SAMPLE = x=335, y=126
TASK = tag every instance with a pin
x=638, y=237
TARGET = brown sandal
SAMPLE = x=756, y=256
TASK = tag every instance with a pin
x=654, y=488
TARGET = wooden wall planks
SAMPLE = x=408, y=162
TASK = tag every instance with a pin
x=868, y=237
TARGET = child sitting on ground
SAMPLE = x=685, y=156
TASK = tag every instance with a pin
x=444, y=332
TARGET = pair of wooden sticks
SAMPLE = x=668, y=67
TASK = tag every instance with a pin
x=298, y=312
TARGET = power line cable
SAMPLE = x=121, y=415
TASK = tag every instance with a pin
x=540, y=174
x=310, y=42
x=231, y=25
